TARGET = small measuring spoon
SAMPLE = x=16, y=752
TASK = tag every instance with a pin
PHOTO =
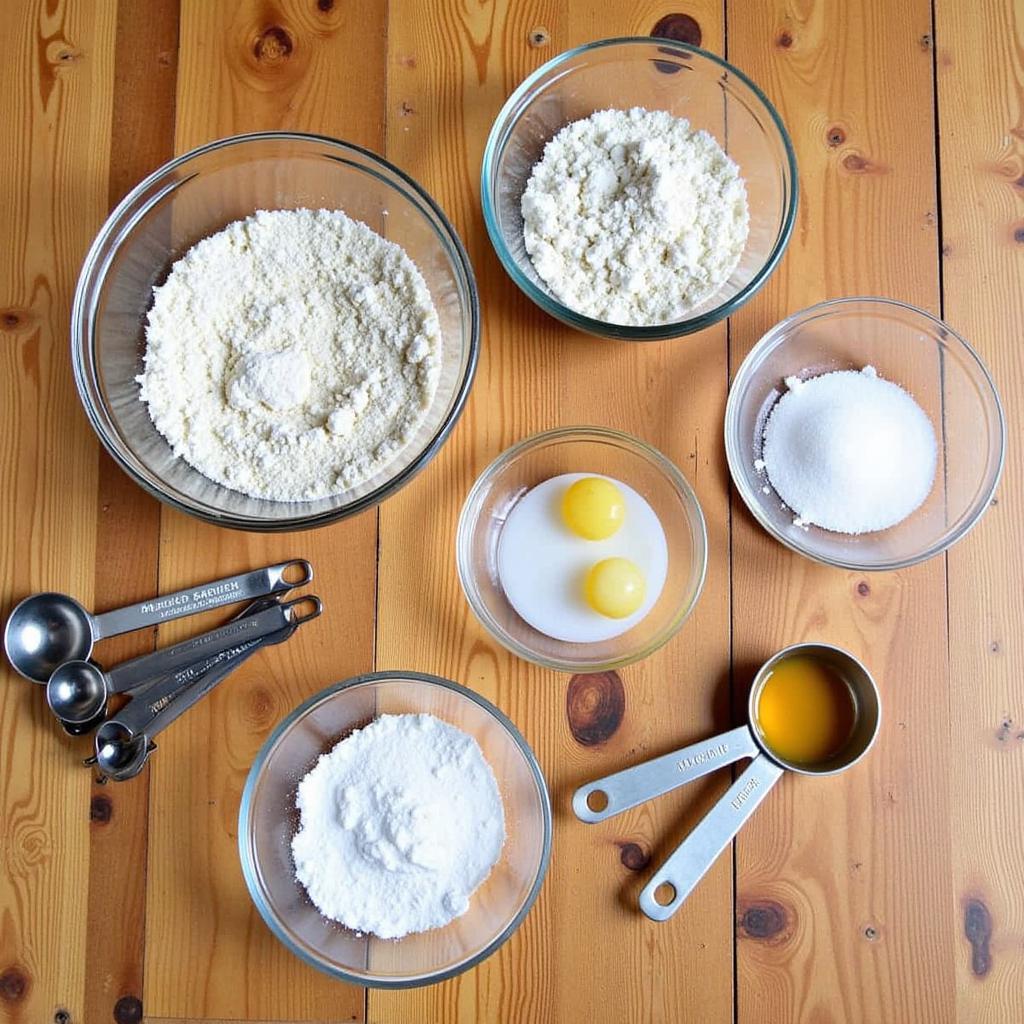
x=669, y=886
x=123, y=743
x=46, y=630
x=78, y=690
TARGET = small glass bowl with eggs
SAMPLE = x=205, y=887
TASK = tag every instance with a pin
x=582, y=549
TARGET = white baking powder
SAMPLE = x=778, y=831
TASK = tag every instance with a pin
x=292, y=355
x=632, y=217
x=849, y=451
x=400, y=823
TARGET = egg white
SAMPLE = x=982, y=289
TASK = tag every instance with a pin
x=542, y=564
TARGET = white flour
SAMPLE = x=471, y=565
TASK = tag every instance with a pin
x=633, y=218
x=400, y=823
x=291, y=355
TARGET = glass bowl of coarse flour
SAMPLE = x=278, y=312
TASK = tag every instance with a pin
x=394, y=830
x=639, y=188
x=274, y=331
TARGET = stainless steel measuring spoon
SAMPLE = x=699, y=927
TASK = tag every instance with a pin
x=124, y=743
x=78, y=690
x=669, y=886
x=45, y=630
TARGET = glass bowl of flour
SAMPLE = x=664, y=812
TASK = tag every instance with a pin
x=865, y=433
x=639, y=188
x=405, y=837
x=274, y=331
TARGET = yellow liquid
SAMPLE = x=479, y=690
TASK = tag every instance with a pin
x=806, y=711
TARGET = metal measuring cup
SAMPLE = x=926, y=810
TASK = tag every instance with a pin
x=679, y=875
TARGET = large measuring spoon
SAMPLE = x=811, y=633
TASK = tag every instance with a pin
x=78, y=690
x=123, y=743
x=669, y=886
x=46, y=630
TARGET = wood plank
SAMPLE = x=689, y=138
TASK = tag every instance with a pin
x=981, y=127
x=128, y=540
x=843, y=884
x=55, y=87
x=247, y=66
x=450, y=69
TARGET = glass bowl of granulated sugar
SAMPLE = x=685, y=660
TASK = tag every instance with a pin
x=274, y=331
x=394, y=830
x=639, y=188
x=865, y=434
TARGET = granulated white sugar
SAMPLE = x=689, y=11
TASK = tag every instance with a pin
x=849, y=451
x=400, y=823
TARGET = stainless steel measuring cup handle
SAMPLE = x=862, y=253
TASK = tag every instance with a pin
x=643, y=782
x=244, y=587
x=181, y=655
x=701, y=848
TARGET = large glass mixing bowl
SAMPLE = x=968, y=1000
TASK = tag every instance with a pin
x=200, y=193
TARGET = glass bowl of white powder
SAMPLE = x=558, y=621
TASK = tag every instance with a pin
x=639, y=188
x=274, y=331
x=381, y=877
x=888, y=431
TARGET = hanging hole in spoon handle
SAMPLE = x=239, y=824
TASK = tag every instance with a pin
x=669, y=886
x=296, y=573
x=616, y=793
x=302, y=609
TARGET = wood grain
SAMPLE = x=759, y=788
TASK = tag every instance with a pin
x=843, y=908
x=980, y=76
x=891, y=894
x=127, y=541
x=55, y=86
x=248, y=66
x=452, y=67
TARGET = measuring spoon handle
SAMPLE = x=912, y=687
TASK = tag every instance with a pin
x=247, y=585
x=163, y=662
x=701, y=848
x=650, y=779
x=138, y=714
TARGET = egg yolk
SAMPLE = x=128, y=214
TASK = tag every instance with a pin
x=615, y=587
x=593, y=508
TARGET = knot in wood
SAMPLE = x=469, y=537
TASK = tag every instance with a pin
x=128, y=1010
x=101, y=809
x=595, y=704
x=681, y=28
x=539, y=36
x=836, y=136
x=784, y=39
x=273, y=45
x=633, y=856
x=325, y=6
x=765, y=921
x=14, y=985
x=978, y=931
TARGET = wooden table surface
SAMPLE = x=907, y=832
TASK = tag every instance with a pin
x=892, y=893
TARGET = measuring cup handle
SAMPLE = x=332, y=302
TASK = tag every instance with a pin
x=650, y=779
x=247, y=585
x=170, y=659
x=700, y=849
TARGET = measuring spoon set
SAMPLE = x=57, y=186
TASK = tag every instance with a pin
x=49, y=639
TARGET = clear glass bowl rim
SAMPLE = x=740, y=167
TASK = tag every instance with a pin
x=249, y=869
x=734, y=455
x=697, y=522
x=119, y=224
x=626, y=332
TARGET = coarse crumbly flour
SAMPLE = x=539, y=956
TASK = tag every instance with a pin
x=291, y=355
x=631, y=217
x=400, y=823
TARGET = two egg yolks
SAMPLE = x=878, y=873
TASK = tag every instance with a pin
x=594, y=508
